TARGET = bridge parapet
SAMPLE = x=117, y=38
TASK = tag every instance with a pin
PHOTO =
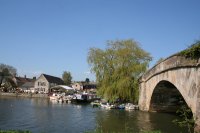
x=172, y=62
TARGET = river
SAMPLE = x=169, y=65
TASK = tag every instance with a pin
x=42, y=116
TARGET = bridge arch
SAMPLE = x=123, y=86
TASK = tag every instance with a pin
x=186, y=86
x=179, y=72
x=166, y=97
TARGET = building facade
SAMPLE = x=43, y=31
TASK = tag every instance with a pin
x=45, y=82
x=84, y=86
x=77, y=86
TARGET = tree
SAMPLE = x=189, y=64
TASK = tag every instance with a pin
x=186, y=118
x=118, y=69
x=87, y=80
x=7, y=72
x=192, y=52
x=11, y=69
x=67, y=78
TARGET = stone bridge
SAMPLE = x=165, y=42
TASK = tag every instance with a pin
x=169, y=84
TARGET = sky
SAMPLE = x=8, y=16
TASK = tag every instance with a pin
x=52, y=36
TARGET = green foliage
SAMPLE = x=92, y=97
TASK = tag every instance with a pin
x=10, y=69
x=186, y=118
x=87, y=80
x=192, y=52
x=14, y=131
x=151, y=132
x=118, y=68
x=67, y=78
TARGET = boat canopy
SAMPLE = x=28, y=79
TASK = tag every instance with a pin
x=62, y=88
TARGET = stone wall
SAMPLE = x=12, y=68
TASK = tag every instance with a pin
x=24, y=95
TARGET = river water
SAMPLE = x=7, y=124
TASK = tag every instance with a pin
x=43, y=116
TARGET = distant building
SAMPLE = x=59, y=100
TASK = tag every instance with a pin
x=78, y=86
x=90, y=87
x=22, y=80
x=45, y=82
x=14, y=83
x=84, y=86
x=28, y=87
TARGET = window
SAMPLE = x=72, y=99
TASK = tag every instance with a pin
x=43, y=84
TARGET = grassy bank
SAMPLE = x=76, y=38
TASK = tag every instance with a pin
x=95, y=131
x=14, y=131
x=125, y=132
x=101, y=131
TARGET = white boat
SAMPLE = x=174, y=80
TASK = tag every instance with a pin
x=107, y=106
x=68, y=98
x=54, y=96
x=130, y=106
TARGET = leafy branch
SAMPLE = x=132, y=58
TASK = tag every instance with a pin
x=186, y=118
x=193, y=52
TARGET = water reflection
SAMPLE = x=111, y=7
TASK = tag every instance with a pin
x=135, y=121
x=144, y=122
x=41, y=115
x=121, y=120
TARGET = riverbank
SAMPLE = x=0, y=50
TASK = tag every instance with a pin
x=96, y=131
x=28, y=95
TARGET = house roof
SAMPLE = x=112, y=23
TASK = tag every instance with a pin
x=22, y=80
x=85, y=83
x=52, y=79
x=63, y=87
x=28, y=85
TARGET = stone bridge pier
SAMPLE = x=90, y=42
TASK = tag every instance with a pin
x=170, y=84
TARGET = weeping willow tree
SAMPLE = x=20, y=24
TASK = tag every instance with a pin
x=118, y=68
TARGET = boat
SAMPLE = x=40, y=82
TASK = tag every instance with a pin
x=121, y=106
x=130, y=106
x=107, y=106
x=54, y=96
x=84, y=97
x=60, y=100
x=95, y=103
x=80, y=98
x=68, y=98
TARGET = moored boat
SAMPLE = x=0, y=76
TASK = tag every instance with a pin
x=95, y=103
x=121, y=106
x=54, y=96
x=108, y=106
x=130, y=106
x=84, y=97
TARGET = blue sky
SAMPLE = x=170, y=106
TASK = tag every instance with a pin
x=51, y=36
